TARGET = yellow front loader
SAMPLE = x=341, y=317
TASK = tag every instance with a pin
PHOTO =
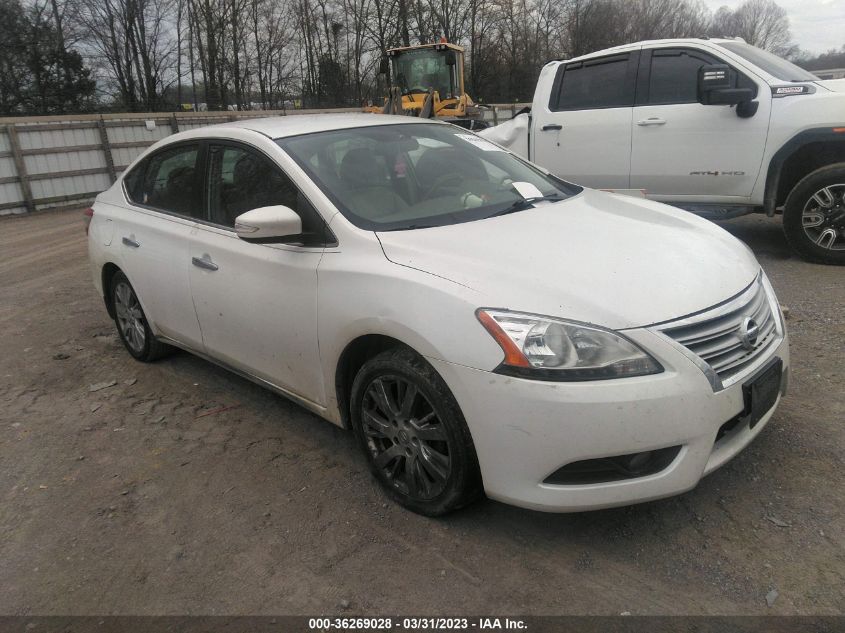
x=428, y=81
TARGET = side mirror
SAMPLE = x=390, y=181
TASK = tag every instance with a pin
x=712, y=77
x=714, y=88
x=384, y=66
x=747, y=109
x=269, y=225
x=451, y=58
x=729, y=96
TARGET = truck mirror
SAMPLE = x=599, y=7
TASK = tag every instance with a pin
x=714, y=88
x=747, y=109
x=451, y=58
x=384, y=66
x=729, y=96
x=712, y=77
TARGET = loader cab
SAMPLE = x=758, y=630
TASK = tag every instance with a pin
x=417, y=69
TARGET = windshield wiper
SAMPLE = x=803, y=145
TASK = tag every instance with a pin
x=409, y=227
x=524, y=203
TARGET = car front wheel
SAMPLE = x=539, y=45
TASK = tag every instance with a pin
x=814, y=216
x=413, y=434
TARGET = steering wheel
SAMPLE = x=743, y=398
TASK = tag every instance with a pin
x=441, y=181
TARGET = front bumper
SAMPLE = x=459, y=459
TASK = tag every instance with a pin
x=524, y=430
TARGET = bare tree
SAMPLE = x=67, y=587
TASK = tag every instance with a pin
x=267, y=53
x=761, y=23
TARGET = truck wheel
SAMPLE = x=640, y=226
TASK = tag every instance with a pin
x=814, y=216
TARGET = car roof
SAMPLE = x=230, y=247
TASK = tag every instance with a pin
x=624, y=48
x=293, y=125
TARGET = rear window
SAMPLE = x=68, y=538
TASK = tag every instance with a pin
x=167, y=181
x=132, y=181
x=601, y=83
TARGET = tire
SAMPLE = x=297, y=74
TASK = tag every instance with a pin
x=823, y=243
x=413, y=434
x=131, y=322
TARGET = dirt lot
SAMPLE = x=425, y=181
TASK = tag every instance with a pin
x=139, y=499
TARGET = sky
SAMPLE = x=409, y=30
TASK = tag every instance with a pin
x=816, y=25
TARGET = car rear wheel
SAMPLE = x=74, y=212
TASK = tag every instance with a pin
x=132, y=326
x=413, y=434
x=814, y=216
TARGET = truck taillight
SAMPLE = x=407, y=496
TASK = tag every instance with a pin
x=87, y=215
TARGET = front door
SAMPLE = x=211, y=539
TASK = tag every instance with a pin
x=681, y=148
x=583, y=134
x=256, y=303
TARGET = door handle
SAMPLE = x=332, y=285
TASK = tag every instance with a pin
x=551, y=126
x=130, y=242
x=204, y=262
x=652, y=121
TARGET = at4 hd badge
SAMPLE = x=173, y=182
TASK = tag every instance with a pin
x=717, y=173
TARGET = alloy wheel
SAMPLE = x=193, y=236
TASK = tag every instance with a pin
x=823, y=217
x=130, y=317
x=405, y=437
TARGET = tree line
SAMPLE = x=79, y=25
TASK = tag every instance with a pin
x=59, y=56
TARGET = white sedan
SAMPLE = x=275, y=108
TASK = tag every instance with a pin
x=481, y=325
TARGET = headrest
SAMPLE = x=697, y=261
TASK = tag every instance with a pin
x=361, y=168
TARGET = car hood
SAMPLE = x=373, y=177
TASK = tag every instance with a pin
x=599, y=258
x=834, y=85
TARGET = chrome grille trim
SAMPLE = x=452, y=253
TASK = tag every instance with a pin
x=713, y=337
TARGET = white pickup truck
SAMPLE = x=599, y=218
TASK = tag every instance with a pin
x=715, y=126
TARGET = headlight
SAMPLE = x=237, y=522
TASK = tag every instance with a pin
x=553, y=349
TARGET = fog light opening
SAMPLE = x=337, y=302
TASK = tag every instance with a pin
x=615, y=468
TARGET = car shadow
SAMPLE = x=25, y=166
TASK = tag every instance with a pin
x=762, y=234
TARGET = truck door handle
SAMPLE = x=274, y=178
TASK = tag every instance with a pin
x=204, y=262
x=652, y=121
x=551, y=126
x=130, y=242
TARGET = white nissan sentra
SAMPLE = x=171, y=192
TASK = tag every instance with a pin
x=481, y=325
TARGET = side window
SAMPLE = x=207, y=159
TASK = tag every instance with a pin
x=592, y=84
x=673, y=76
x=170, y=182
x=132, y=181
x=241, y=180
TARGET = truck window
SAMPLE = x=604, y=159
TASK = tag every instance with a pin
x=777, y=67
x=674, y=77
x=601, y=83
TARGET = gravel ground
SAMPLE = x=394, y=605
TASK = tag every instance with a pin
x=178, y=488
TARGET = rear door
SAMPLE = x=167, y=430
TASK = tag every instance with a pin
x=683, y=149
x=256, y=303
x=583, y=134
x=152, y=235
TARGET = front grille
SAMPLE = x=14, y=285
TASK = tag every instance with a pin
x=716, y=335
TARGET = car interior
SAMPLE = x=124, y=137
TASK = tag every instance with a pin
x=385, y=178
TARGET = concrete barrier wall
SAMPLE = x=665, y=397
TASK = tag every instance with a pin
x=65, y=161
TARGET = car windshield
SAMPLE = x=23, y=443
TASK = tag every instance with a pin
x=416, y=175
x=776, y=66
x=420, y=70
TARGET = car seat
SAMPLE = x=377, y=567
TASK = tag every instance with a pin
x=369, y=191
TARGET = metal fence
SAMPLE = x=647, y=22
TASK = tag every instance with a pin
x=65, y=161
